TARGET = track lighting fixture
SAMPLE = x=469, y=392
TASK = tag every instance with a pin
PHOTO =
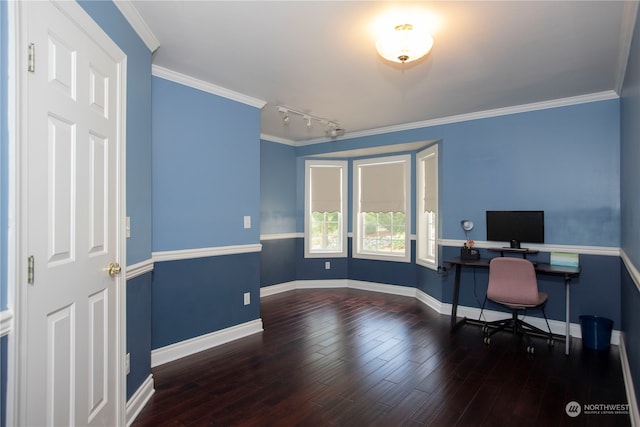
x=334, y=130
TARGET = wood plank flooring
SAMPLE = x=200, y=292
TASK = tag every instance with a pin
x=344, y=357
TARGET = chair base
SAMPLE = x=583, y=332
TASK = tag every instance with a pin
x=518, y=327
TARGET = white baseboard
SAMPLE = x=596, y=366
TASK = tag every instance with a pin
x=634, y=413
x=557, y=326
x=431, y=302
x=191, y=346
x=406, y=291
x=277, y=289
x=321, y=284
x=139, y=399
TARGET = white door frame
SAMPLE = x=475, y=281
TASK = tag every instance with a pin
x=17, y=168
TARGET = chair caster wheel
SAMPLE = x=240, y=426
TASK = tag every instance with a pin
x=550, y=342
x=530, y=349
x=487, y=340
x=485, y=329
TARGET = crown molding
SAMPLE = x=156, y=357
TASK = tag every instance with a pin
x=543, y=105
x=204, y=86
x=138, y=24
x=629, y=15
x=277, y=139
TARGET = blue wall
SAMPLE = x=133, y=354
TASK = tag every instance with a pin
x=277, y=188
x=206, y=169
x=630, y=205
x=564, y=161
x=138, y=331
x=206, y=175
x=198, y=296
x=138, y=170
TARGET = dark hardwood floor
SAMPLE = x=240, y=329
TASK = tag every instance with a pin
x=346, y=357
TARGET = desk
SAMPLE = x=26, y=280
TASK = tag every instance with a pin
x=544, y=268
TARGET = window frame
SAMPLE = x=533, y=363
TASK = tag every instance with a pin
x=343, y=219
x=422, y=231
x=356, y=251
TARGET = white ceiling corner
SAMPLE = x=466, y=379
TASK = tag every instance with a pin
x=138, y=24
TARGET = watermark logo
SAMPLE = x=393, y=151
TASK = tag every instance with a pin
x=573, y=409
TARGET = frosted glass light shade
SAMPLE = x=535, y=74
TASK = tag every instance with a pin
x=404, y=44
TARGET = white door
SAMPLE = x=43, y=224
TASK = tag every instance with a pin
x=73, y=131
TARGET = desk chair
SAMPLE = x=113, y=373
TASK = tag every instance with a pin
x=513, y=283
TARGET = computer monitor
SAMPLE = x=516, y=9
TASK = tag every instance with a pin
x=515, y=227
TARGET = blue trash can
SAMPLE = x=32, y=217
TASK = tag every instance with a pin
x=596, y=332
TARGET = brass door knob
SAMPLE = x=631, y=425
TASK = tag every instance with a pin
x=114, y=269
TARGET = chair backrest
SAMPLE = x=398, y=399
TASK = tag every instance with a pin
x=513, y=281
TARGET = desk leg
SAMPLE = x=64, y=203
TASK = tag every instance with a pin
x=456, y=294
x=567, y=342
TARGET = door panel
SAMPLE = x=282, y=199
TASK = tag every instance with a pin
x=74, y=112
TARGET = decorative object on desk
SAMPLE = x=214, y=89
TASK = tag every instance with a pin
x=467, y=226
x=564, y=259
x=466, y=252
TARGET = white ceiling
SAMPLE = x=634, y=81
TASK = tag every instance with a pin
x=319, y=57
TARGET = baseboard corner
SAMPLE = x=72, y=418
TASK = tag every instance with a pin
x=139, y=399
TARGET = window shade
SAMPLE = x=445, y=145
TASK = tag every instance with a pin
x=382, y=188
x=430, y=171
x=326, y=192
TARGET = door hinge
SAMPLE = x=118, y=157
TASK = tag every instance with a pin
x=31, y=58
x=30, y=269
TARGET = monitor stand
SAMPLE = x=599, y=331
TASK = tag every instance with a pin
x=508, y=250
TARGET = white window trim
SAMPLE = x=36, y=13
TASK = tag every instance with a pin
x=357, y=226
x=343, y=208
x=420, y=214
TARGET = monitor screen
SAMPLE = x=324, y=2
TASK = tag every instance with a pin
x=515, y=227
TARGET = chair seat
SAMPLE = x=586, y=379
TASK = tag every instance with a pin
x=542, y=298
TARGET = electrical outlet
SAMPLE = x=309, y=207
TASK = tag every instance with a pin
x=127, y=363
x=247, y=221
x=327, y=265
x=247, y=298
x=128, y=227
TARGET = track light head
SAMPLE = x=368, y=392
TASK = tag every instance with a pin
x=335, y=131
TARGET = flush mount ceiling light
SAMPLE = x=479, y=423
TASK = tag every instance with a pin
x=334, y=130
x=404, y=43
